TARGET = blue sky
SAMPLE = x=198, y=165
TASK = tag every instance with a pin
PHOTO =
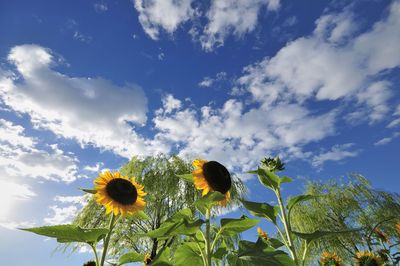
x=85, y=85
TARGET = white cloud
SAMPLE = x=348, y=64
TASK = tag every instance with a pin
x=95, y=168
x=167, y=15
x=236, y=17
x=65, y=214
x=208, y=82
x=20, y=157
x=387, y=140
x=91, y=110
x=82, y=37
x=329, y=65
x=337, y=153
x=61, y=215
x=100, y=7
x=237, y=137
x=170, y=103
x=11, y=194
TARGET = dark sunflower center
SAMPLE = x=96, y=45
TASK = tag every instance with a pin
x=217, y=176
x=122, y=191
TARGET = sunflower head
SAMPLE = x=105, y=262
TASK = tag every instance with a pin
x=331, y=259
x=119, y=194
x=147, y=260
x=262, y=233
x=381, y=235
x=367, y=258
x=384, y=254
x=212, y=176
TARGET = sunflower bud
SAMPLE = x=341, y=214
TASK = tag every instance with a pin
x=273, y=164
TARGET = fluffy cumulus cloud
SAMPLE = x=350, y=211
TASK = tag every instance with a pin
x=336, y=153
x=66, y=209
x=237, y=136
x=167, y=15
x=20, y=157
x=90, y=110
x=236, y=17
x=330, y=65
x=223, y=18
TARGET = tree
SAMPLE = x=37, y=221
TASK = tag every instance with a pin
x=166, y=194
x=345, y=205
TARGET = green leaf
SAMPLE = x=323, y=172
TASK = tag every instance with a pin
x=181, y=223
x=186, y=177
x=130, y=257
x=90, y=191
x=162, y=258
x=285, y=179
x=260, y=253
x=318, y=234
x=263, y=210
x=273, y=242
x=188, y=254
x=208, y=200
x=235, y=226
x=268, y=178
x=220, y=253
x=70, y=233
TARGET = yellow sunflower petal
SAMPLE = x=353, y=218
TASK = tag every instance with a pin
x=198, y=163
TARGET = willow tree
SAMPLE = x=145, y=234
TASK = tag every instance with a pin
x=342, y=206
x=166, y=194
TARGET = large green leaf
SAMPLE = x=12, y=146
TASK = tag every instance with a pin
x=70, y=233
x=130, y=257
x=181, y=223
x=268, y=178
x=236, y=226
x=208, y=200
x=186, y=177
x=263, y=210
x=318, y=234
x=188, y=254
x=260, y=253
x=162, y=258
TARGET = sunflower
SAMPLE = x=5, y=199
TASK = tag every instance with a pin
x=367, y=258
x=119, y=194
x=212, y=176
x=262, y=234
x=331, y=259
x=147, y=260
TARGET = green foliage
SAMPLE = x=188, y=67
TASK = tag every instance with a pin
x=259, y=253
x=180, y=223
x=208, y=201
x=263, y=210
x=236, y=226
x=130, y=257
x=344, y=206
x=188, y=254
x=70, y=233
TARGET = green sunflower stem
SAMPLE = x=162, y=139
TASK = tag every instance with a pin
x=208, y=240
x=95, y=253
x=286, y=224
x=107, y=240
